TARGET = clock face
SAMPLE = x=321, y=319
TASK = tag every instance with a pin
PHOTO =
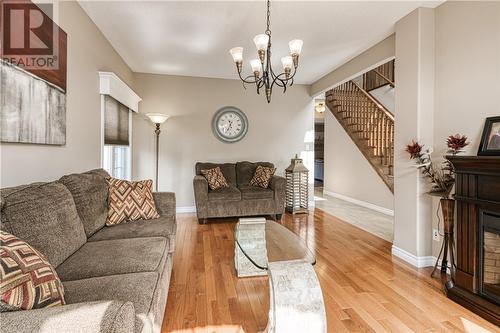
x=229, y=124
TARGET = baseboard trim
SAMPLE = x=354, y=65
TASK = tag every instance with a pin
x=186, y=209
x=419, y=262
x=365, y=204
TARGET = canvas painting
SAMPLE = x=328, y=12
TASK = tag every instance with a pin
x=32, y=109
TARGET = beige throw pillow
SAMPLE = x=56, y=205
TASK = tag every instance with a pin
x=129, y=201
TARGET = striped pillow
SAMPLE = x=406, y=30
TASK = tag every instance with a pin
x=129, y=201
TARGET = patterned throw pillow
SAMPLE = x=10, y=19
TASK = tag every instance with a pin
x=27, y=279
x=215, y=178
x=262, y=176
x=129, y=201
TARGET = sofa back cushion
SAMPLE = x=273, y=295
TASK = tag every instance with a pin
x=228, y=170
x=44, y=215
x=245, y=171
x=90, y=192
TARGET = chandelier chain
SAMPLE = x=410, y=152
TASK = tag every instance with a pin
x=268, y=30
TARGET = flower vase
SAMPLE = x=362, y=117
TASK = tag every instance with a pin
x=448, y=211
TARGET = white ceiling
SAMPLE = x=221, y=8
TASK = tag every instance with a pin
x=193, y=37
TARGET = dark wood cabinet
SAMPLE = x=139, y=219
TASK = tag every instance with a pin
x=476, y=280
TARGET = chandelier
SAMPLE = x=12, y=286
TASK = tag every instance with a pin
x=263, y=75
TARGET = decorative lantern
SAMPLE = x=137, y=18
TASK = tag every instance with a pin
x=297, y=187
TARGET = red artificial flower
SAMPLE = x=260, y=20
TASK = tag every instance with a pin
x=457, y=142
x=414, y=149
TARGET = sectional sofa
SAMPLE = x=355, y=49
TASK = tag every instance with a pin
x=116, y=279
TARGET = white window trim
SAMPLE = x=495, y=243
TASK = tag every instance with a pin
x=110, y=84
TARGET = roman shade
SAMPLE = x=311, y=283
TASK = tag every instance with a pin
x=116, y=122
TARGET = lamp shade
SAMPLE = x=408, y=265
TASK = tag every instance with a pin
x=157, y=118
x=237, y=54
x=287, y=62
x=261, y=41
x=295, y=46
x=255, y=64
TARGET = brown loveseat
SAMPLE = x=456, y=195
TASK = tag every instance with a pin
x=116, y=279
x=240, y=198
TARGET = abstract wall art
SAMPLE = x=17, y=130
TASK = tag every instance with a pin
x=32, y=110
x=32, y=75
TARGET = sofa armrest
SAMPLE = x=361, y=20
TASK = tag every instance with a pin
x=165, y=203
x=278, y=185
x=89, y=317
x=200, y=185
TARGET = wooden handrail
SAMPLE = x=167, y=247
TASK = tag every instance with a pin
x=377, y=103
x=384, y=78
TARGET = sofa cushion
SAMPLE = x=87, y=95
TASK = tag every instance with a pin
x=138, y=288
x=228, y=170
x=90, y=192
x=43, y=215
x=27, y=279
x=225, y=194
x=249, y=192
x=164, y=226
x=119, y=256
x=130, y=201
x=245, y=171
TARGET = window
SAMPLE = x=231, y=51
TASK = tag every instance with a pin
x=116, y=159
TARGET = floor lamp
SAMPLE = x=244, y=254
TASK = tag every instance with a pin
x=157, y=119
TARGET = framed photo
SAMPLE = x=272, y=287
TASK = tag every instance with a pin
x=490, y=141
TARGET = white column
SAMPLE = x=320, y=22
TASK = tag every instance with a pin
x=414, y=101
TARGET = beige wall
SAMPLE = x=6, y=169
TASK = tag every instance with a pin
x=467, y=73
x=88, y=52
x=467, y=70
x=371, y=58
x=414, y=100
x=276, y=131
x=347, y=172
x=448, y=61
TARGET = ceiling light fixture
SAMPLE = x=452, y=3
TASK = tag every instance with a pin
x=320, y=106
x=263, y=75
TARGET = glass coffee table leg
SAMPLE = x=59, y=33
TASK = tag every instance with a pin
x=296, y=301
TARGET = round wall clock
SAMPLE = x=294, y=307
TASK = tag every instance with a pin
x=229, y=124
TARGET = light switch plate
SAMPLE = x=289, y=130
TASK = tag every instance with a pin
x=435, y=235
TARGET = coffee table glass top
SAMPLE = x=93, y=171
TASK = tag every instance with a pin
x=266, y=241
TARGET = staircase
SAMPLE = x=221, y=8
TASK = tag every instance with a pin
x=369, y=124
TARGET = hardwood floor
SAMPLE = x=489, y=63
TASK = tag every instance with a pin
x=365, y=289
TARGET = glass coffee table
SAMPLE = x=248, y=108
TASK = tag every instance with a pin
x=267, y=248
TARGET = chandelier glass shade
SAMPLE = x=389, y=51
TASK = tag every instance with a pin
x=263, y=75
